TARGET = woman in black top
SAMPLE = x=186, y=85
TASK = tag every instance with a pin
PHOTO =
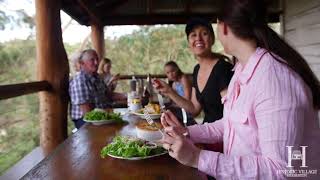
x=211, y=75
x=210, y=97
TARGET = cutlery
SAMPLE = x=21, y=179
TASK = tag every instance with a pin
x=161, y=103
x=150, y=120
x=184, y=117
x=160, y=98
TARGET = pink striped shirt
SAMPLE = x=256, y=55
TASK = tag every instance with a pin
x=267, y=108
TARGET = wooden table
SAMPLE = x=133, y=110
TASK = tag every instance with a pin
x=79, y=158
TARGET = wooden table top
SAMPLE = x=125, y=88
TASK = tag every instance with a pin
x=79, y=158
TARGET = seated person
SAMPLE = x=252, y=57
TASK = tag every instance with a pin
x=87, y=90
x=211, y=75
x=181, y=83
x=104, y=70
x=74, y=58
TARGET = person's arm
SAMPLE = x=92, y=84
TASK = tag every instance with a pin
x=81, y=95
x=112, y=84
x=86, y=108
x=186, y=87
x=192, y=106
x=208, y=133
x=223, y=92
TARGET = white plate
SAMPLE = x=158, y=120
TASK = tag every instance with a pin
x=99, y=122
x=137, y=158
x=153, y=116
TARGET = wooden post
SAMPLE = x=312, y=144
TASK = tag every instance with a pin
x=97, y=37
x=53, y=67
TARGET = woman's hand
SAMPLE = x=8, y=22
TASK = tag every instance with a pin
x=162, y=87
x=114, y=78
x=180, y=147
x=169, y=120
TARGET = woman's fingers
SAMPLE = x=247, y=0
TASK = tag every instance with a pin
x=164, y=121
x=169, y=119
x=173, y=132
x=166, y=146
x=167, y=138
x=161, y=86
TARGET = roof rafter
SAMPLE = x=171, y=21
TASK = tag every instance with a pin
x=94, y=17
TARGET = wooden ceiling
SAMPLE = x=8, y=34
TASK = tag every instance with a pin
x=149, y=12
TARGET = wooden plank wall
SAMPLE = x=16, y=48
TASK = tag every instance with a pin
x=302, y=29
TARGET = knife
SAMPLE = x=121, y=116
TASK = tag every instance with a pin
x=161, y=103
x=184, y=117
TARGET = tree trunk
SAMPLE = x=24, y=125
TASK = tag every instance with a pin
x=53, y=67
x=97, y=37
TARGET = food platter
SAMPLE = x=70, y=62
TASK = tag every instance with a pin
x=152, y=109
x=99, y=117
x=100, y=122
x=141, y=115
x=137, y=158
x=131, y=148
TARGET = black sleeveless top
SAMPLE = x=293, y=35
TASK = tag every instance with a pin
x=210, y=98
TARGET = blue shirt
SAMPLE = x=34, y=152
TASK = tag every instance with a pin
x=87, y=88
x=178, y=87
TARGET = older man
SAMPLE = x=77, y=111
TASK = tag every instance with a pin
x=87, y=90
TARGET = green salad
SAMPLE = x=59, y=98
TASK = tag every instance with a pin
x=126, y=146
x=102, y=116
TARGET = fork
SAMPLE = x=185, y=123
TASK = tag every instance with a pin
x=150, y=120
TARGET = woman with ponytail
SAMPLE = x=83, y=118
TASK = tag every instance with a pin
x=270, y=111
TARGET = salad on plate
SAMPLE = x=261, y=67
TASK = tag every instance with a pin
x=131, y=148
x=98, y=117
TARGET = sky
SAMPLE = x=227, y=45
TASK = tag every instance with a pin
x=69, y=35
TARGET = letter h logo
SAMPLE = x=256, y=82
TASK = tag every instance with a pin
x=297, y=155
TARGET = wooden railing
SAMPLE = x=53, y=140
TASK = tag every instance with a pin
x=14, y=90
x=144, y=76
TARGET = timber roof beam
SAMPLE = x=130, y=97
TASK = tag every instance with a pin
x=149, y=12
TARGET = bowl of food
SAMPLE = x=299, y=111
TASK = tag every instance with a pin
x=148, y=132
x=153, y=110
x=99, y=117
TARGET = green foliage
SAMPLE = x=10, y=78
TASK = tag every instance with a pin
x=4, y=19
x=19, y=129
x=24, y=19
x=17, y=61
x=21, y=18
x=148, y=49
